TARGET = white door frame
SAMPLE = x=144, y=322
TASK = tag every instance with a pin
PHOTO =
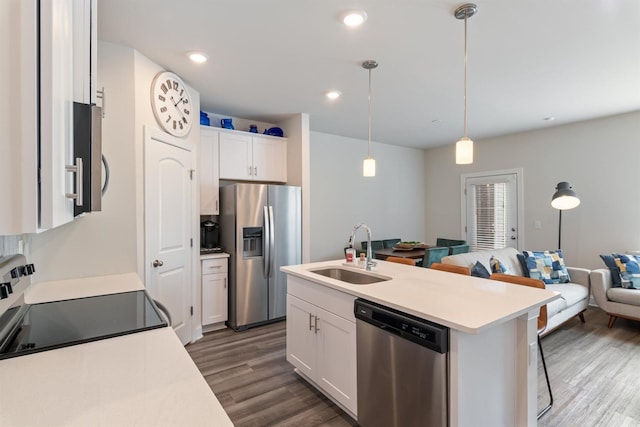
x=149, y=134
x=519, y=172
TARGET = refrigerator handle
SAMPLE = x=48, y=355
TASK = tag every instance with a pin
x=272, y=234
x=266, y=242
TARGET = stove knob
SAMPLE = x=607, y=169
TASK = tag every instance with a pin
x=4, y=292
x=22, y=270
x=15, y=273
x=31, y=268
x=9, y=287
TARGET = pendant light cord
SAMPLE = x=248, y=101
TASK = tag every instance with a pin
x=465, y=75
x=369, y=146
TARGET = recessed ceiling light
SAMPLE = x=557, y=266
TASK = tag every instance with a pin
x=549, y=119
x=354, y=18
x=333, y=94
x=198, y=57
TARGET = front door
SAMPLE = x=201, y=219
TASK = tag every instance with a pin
x=168, y=212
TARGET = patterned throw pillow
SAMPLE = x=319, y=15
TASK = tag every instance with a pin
x=625, y=270
x=547, y=266
x=497, y=266
x=480, y=270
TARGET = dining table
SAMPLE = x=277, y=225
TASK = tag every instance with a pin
x=415, y=253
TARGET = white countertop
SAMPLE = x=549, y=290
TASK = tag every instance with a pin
x=212, y=256
x=141, y=379
x=464, y=303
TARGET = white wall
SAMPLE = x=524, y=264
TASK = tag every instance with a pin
x=391, y=203
x=599, y=158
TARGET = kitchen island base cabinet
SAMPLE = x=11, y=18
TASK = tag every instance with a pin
x=321, y=344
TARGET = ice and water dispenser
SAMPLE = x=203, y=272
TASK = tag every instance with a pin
x=252, y=242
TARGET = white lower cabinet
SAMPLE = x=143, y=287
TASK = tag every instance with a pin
x=321, y=344
x=214, y=292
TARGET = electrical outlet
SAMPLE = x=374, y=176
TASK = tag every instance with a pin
x=537, y=224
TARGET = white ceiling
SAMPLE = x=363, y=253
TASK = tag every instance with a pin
x=527, y=60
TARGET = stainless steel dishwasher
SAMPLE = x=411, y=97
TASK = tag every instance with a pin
x=403, y=368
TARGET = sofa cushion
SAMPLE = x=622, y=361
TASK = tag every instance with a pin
x=497, y=266
x=625, y=270
x=571, y=293
x=555, y=307
x=547, y=266
x=480, y=270
x=624, y=296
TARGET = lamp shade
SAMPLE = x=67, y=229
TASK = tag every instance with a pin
x=464, y=151
x=369, y=167
x=564, y=197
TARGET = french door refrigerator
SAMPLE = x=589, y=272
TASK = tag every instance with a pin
x=261, y=229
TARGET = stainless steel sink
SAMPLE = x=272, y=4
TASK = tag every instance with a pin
x=350, y=276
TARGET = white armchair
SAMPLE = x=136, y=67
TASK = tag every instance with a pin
x=616, y=302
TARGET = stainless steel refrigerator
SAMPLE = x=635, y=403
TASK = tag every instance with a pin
x=261, y=229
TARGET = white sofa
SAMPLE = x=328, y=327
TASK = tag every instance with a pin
x=574, y=296
x=617, y=302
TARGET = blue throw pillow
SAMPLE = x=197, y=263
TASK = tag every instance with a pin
x=625, y=270
x=547, y=266
x=479, y=270
x=523, y=264
x=497, y=266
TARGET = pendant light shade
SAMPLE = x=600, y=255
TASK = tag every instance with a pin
x=369, y=164
x=464, y=151
x=464, y=147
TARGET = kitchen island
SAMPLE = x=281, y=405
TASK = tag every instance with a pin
x=492, y=343
x=141, y=379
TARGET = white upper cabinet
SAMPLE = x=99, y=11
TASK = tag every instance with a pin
x=248, y=157
x=209, y=171
x=50, y=67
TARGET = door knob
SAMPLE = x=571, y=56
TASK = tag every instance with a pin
x=157, y=263
x=513, y=237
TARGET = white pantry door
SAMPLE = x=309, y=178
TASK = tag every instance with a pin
x=168, y=193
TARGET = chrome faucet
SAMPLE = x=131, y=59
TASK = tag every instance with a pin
x=370, y=262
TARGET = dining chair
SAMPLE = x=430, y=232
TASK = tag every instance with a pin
x=434, y=254
x=441, y=241
x=408, y=261
x=458, y=249
x=389, y=243
x=450, y=268
x=542, y=322
x=375, y=244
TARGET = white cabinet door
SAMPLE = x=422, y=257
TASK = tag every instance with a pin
x=235, y=156
x=209, y=172
x=269, y=159
x=301, y=336
x=214, y=298
x=336, y=358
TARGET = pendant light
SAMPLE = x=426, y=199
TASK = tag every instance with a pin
x=369, y=164
x=464, y=147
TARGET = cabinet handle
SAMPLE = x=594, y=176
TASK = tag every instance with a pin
x=217, y=206
x=250, y=171
x=78, y=170
x=255, y=171
x=316, y=324
x=310, y=325
x=215, y=266
x=225, y=283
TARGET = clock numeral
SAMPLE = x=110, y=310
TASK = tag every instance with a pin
x=181, y=92
x=175, y=85
x=186, y=111
x=164, y=88
x=162, y=98
x=185, y=101
x=174, y=125
x=184, y=119
x=168, y=119
x=180, y=124
x=163, y=109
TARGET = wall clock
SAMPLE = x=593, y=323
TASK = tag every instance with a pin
x=171, y=103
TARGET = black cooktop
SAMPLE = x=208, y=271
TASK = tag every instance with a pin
x=56, y=324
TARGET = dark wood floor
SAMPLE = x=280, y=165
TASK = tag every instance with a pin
x=595, y=376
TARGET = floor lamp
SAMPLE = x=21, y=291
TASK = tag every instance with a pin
x=564, y=198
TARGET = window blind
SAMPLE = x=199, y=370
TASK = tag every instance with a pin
x=490, y=214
